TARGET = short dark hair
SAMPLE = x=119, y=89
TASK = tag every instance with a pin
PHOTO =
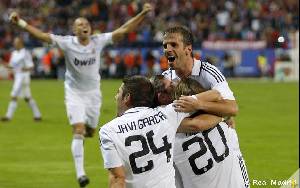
x=185, y=32
x=187, y=86
x=140, y=89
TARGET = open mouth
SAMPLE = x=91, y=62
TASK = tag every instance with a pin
x=171, y=58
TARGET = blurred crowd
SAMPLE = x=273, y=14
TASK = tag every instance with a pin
x=209, y=20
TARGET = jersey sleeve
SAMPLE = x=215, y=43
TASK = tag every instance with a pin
x=212, y=78
x=60, y=41
x=109, y=152
x=103, y=39
x=224, y=90
x=175, y=118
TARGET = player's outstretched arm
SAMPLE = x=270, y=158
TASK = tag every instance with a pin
x=131, y=24
x=221, y=107
x=199, y=123
x=117, y=177
x=15, y=19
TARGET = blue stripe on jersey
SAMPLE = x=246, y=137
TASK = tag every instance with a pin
x=244, y=171
x=213, y=71
x=217, y=73
x=200, y=68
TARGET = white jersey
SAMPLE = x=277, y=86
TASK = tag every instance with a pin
x=21, y=59
x=208, y=76
x=82, y=62
x=206, y=159
x=142, y=141
x=219, y=151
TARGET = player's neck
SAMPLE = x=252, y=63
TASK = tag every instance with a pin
x=84, y=41
x=187, y=70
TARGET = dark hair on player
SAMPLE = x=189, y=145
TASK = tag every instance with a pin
x=187, y=36
x=140, y=89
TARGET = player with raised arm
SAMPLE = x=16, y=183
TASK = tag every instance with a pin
x=137, y=146
x=21, y=64
x=82, y=79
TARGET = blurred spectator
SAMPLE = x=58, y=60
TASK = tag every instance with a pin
x=229, y=65
x=150, y=61
x=252, y=20
x=262, y=65
x=216, y=19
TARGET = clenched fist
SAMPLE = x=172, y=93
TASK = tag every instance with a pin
x=147, y=7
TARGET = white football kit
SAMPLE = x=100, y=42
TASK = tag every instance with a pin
x=207, y=165
x=21, y=59
x=142, y=141
x=82, y=78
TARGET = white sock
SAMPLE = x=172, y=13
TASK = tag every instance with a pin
x=34, y=108
x=11, y=109
x=78, y=151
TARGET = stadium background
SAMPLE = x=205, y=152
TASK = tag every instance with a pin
x=254, y=43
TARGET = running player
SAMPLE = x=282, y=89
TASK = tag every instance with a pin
x=21, y=64
x=82, y=88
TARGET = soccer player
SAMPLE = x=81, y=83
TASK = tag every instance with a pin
x=82, y=88
x=21, y=64
x=214, y=164
x=177, y=45
x=137, y=146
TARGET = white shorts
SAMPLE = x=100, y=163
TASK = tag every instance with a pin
x=21, y=87
x=83, y=107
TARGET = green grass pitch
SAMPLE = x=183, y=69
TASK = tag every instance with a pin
x=38, y=154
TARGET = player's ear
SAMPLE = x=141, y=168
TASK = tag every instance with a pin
x=127, y=99
x=189, y=49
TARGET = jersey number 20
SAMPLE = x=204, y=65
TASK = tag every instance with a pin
x=203, y=150
x=147, y=145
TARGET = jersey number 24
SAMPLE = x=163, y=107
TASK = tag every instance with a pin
x=147, y=145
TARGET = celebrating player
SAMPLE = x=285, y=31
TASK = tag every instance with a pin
x=137, y=146
x=21, y=64
x=82, y=88
x=177, y=44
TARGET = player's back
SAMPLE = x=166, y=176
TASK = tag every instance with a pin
x=144, y=138
x=206, y=159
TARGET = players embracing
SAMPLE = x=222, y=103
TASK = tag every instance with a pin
x=211, y=158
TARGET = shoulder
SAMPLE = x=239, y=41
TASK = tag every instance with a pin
x=62, y=37
x=106, y=128
x=211, y=72
x=101, y=36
